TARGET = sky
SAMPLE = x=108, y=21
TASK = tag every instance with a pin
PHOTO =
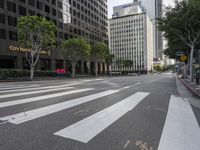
x=112, y=3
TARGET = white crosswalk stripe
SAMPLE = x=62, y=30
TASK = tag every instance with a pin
x=3, y=88
x=40, y=112
x=181, y=130
x=88, y=128
x=40, y=88
x=39, y=98
x=33, y=92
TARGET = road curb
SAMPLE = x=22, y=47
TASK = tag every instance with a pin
x=193, y=91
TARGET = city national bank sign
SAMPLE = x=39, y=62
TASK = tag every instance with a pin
x=21, y=49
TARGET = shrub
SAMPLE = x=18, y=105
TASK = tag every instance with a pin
x=11, y=73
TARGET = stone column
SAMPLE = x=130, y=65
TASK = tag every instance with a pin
x=82, y=67
x=64, y=64
x=88, y=66
x=19, y=62
x=101, y=68
x=53, y=65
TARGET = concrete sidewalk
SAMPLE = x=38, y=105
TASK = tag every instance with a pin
x=192, y=87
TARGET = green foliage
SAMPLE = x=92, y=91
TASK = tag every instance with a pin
x=99, y=52
x=127, y=63
x=124, y=63
x=36, y=33
x=158, y=68
x=109, y=58
x=182, y=22
x=181, y=26
x=75, y=49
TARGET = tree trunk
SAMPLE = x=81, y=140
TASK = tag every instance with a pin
x=191, y=59
x=32, y=69
x=73, y=71
x=110, y=69
x=96, y=69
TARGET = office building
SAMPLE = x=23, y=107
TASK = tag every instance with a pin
x=131, y=37
x=73, y=18
x=154, y=10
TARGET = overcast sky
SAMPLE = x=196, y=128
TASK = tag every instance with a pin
x=112, y=3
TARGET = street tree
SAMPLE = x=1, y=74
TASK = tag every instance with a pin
x=36, y=34
x=98, y=54
x=183, y=22
x=128, y=64
x=120, y=64
x=109, y=61
x=74, y=50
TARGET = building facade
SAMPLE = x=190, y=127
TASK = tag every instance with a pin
x=154, y=10
x=73, y=18
x=131, y=38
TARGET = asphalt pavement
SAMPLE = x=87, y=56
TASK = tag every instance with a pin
x=147, y=112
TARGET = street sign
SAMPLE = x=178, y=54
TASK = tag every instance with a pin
x=180, y=53
x=183, y=57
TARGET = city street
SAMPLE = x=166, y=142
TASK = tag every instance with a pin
x=147, y=112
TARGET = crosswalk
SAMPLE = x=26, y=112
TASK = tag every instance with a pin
x=179, y=133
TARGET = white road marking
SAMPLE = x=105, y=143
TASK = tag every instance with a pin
x=17, y=87
x=181, y=130
x=126, y=144
x=33, y=92
x=39, y=98
x=40, y=112
x=88, y=128
x=40, y=88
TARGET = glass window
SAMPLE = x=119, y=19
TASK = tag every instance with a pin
x=2, y=3
x=60, y=4
x=24, y=1
x=47, y=9
x=39, y=5
x=22, y=11
x=2, y=33
x=54, y=12
x=12, y=21
x=11, y=6
x=2, y=18
x=60, y=15
x=53, y=2
x=13, y=35
x=31, y=2
x=31, y=12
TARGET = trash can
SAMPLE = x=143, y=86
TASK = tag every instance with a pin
x=197, y=75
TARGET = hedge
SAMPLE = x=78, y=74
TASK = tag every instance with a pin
x=11, y=73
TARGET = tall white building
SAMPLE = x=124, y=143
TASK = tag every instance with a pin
x=154, y=10
x=131, y=37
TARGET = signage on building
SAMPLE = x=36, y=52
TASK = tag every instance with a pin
x=21, y=49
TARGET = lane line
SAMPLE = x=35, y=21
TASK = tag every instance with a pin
x=40, y=88
x=33, y=92
x=88, y=128
x=39, y=98
x=181, y=130
x=40, y=112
